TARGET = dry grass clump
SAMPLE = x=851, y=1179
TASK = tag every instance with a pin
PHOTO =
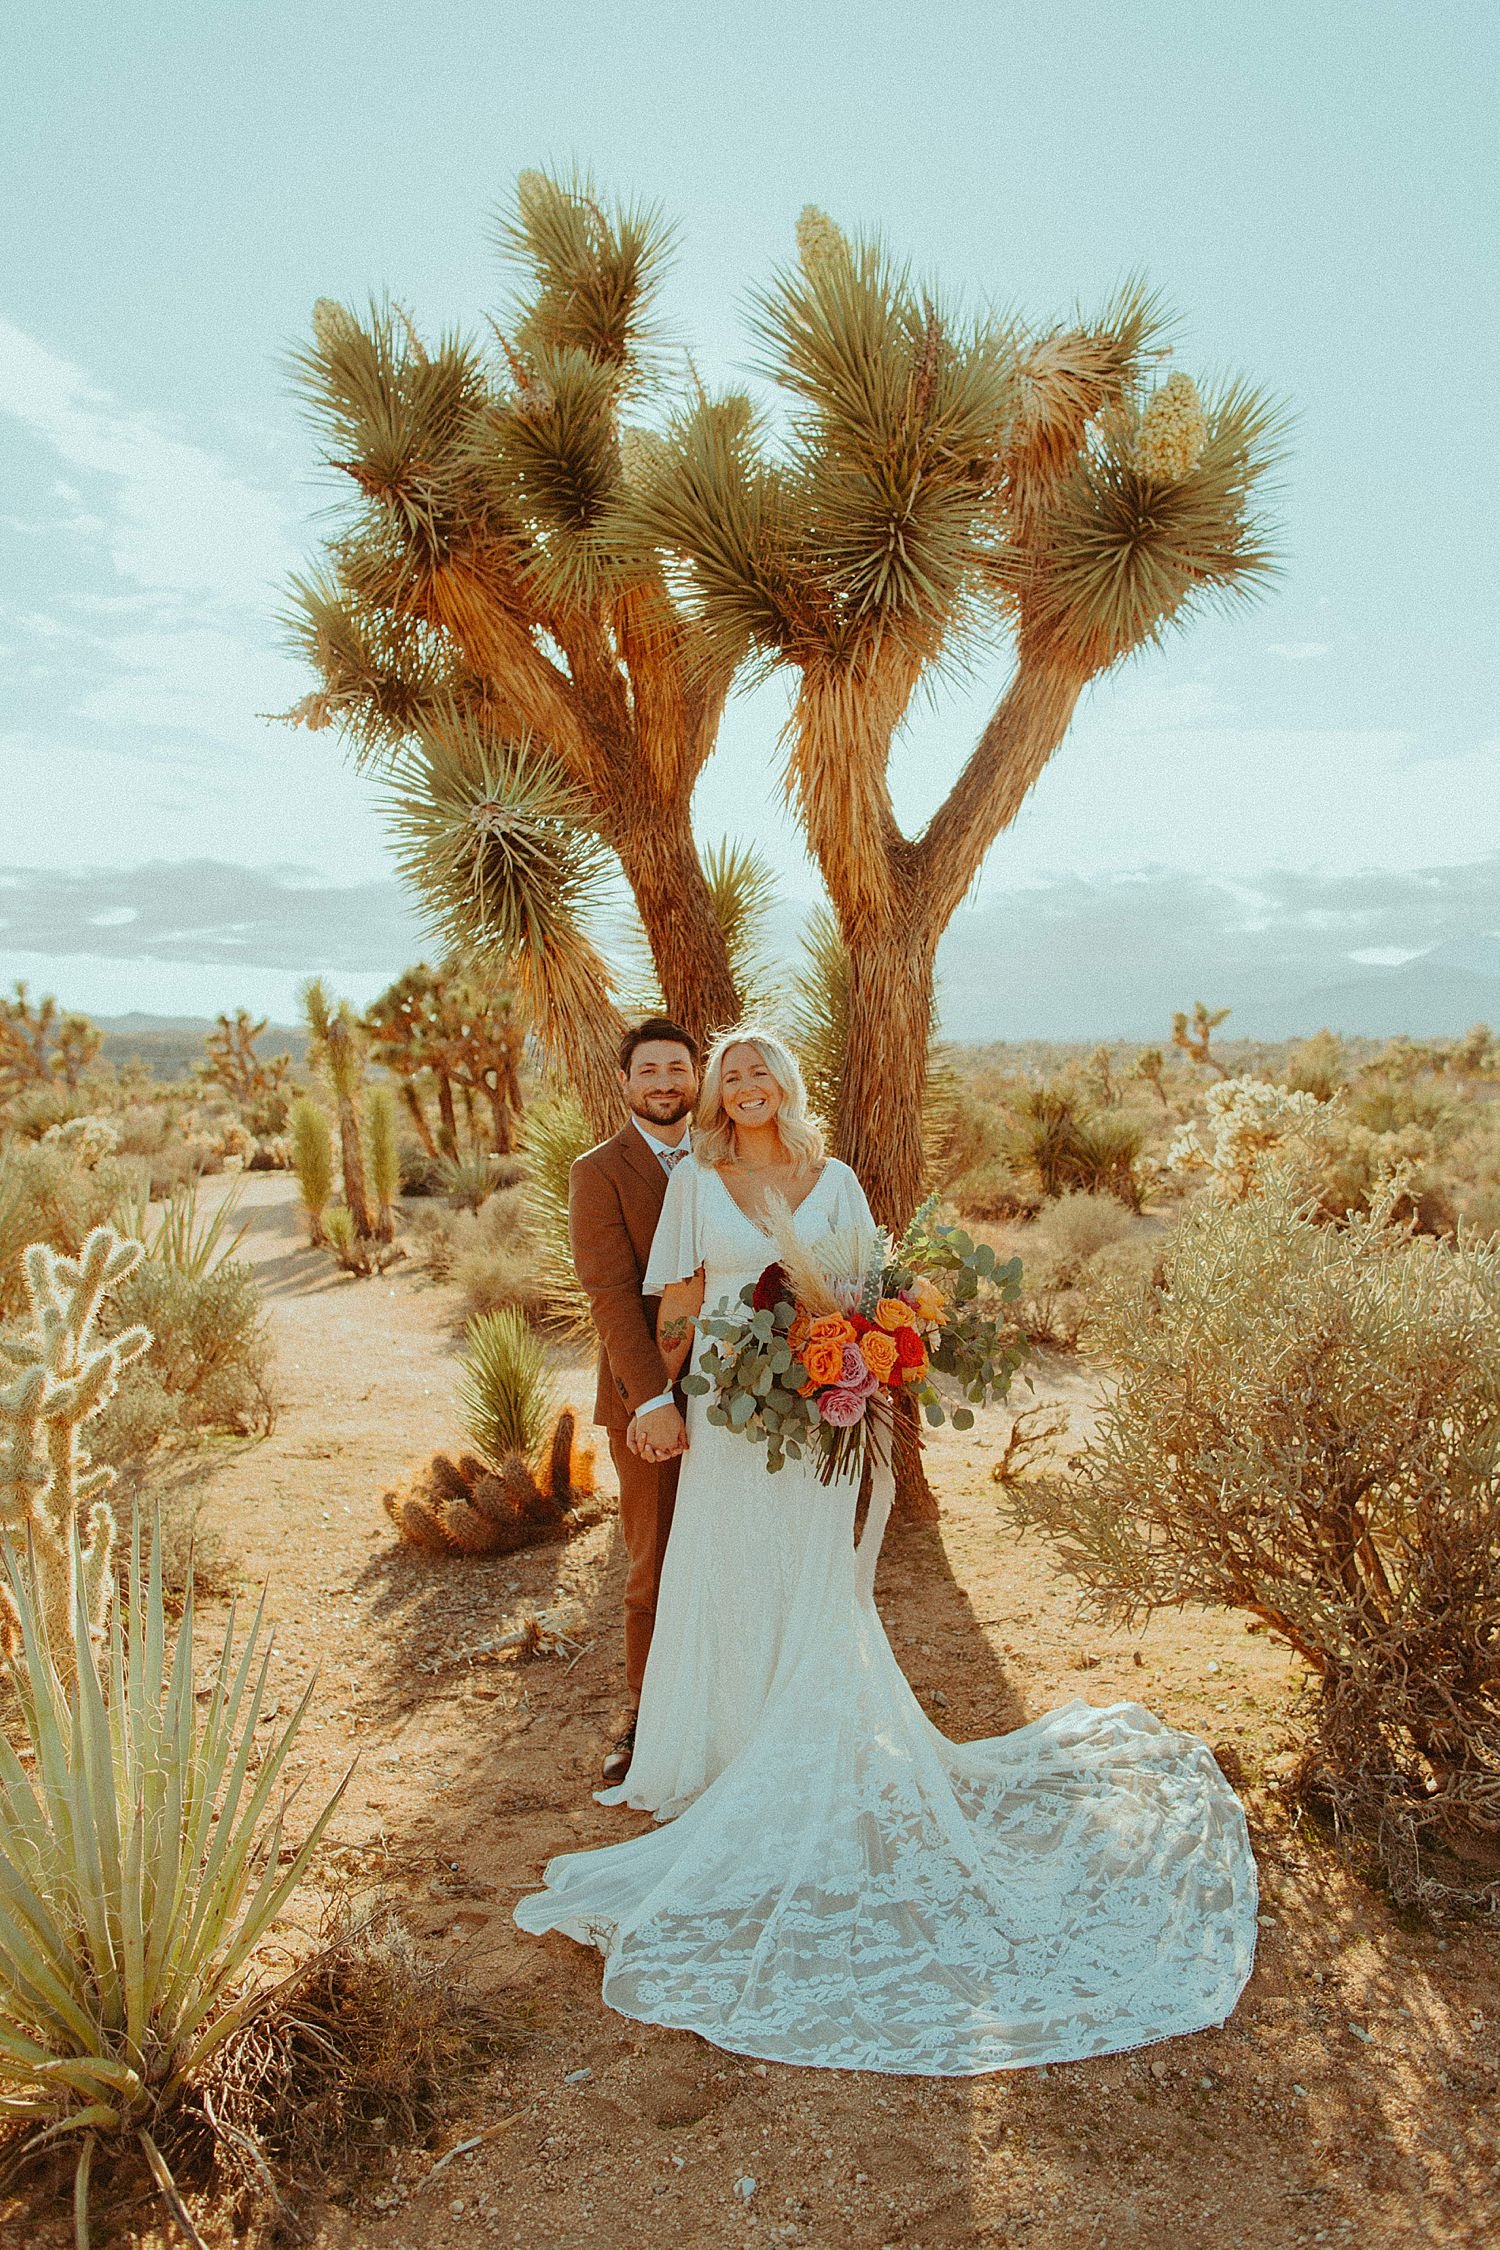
x=209, y=1369
x=490, y=1255
x=367, y=2049
x=55, y=1190
x=1306, y=1426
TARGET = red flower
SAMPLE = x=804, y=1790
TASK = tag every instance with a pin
x=771, y=1290
x=910, y=1349
x=859, y=1324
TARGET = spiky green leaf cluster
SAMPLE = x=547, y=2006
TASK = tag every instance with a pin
x=503, y=1394
x=140, y=1861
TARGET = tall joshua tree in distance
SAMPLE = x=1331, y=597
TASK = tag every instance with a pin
x=935, y=488
x=537, y=699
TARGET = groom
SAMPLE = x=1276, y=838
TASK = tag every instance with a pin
x=615, y=1195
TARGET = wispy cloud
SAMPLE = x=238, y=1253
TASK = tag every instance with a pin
x=174, y=516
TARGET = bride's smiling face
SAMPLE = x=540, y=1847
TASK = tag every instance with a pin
x=748, y=1088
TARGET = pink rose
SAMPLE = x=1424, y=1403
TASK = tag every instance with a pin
x=856, y=1376
x=842, y=1408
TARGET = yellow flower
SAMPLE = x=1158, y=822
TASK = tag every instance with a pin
x=931, y=1304
x=1173, y=431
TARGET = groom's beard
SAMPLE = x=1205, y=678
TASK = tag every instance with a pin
x=660, y=1109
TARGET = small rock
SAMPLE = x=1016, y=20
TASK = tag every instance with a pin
x=1360, y=2032
x=744, y=2188
x=576, y=2077
x=1214, y=1666
x=457, y=2207
x=1301, y=2091
x=939, y=1699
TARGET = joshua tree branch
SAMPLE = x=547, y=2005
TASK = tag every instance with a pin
x=1026, y=727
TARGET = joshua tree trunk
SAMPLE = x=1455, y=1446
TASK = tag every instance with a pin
x=660, y=861
x=351, y=1149
x=885, y=1069
x=500, y=1119
x=448, y=1130
x=418, y=1115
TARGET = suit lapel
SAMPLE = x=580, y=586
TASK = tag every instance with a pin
x=646, y=1167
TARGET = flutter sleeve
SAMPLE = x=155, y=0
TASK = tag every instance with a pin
x=676, y=1246
x=850, y=1208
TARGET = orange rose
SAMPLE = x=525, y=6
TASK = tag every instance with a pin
x=894, y=1312
x=831, y=1329
x=930, y=1301
x=878, y=1351
x=799, y=1332
x=824, y=1359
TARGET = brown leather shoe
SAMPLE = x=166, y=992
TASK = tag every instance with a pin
x=617, y=1761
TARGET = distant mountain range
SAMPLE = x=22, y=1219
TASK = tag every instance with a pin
x=1372, y=955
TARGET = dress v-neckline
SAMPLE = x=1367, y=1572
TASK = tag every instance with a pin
x=794, y=1208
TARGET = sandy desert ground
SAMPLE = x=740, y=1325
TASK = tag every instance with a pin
x=1350, y=2100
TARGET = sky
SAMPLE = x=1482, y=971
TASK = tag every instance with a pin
x=1311, y=186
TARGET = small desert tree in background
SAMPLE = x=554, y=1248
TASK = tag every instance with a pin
x=255, y=1082
x=1194, y=1034
x=945, y=486
x=41, y=1046
x=1306, y=1426
x=451, y=1030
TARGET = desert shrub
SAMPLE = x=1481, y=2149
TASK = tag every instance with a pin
x=144, y=1867
x=1057, y=1141
x=54, y=1191
x=41, y=1109
x=366, y=2049
x=1070, y=1232
x=1351, y=1167
x=421, y=1169
x=209, y=1369
x=1306, y=1426
x=356, y=1253
x=960, y=1132
x=992, y=1194
x=1316, y=1066
x=1396, y=1106
x=468, y=1178
x=489, y=1255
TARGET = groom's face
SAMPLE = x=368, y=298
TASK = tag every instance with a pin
x=661, y=1084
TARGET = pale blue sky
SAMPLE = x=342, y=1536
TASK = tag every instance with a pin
x=1312, y=185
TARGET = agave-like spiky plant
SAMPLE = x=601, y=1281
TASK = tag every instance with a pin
x=556, y=1132
x=140, y=1866
x=503, y=1392
x=945, y=486
x=478, y=588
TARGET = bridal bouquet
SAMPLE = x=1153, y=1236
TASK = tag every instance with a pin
x=812, y=1357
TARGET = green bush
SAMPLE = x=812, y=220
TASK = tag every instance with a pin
x=1057, y=1141
x=53, y=1191
x=1306, y=1426
x=209, y=1367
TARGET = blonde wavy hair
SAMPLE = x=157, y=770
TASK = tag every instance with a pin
x=713, y=1133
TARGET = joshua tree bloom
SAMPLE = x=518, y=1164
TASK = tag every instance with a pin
x=1174, y=431
x=820, y=243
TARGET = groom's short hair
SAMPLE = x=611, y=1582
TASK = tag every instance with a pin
x=657, y=1027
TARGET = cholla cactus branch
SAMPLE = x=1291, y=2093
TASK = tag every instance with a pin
x=51, y=1495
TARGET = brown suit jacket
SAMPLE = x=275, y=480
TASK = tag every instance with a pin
x=615, y=1195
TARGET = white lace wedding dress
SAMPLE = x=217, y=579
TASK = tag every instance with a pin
x=837, y=1883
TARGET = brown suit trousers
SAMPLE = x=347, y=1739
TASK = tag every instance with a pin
x=615, y=1195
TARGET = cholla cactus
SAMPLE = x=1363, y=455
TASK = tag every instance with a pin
x=1173, y=431
x=821, y=244
x=87, y=1140
x=1251, y=1119
x=47, y=1481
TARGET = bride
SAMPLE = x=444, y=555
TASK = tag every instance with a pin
x=836, y=1883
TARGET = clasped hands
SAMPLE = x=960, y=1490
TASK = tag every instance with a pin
x=658, y=1436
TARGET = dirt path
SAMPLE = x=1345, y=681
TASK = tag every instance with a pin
x=1349, y=2100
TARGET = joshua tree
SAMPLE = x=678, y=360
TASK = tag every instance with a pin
x=249, y=1079
x=336, y=1047
x=538, y=697
x=38, y=1045
x=941, y=484
x=1193, y=1036
x=468, y=1031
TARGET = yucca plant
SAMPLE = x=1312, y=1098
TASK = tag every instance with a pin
x=180, y=1239
x=523, y=1481
x=140, y=1866
x=557, y=1131
x=312, y=1161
